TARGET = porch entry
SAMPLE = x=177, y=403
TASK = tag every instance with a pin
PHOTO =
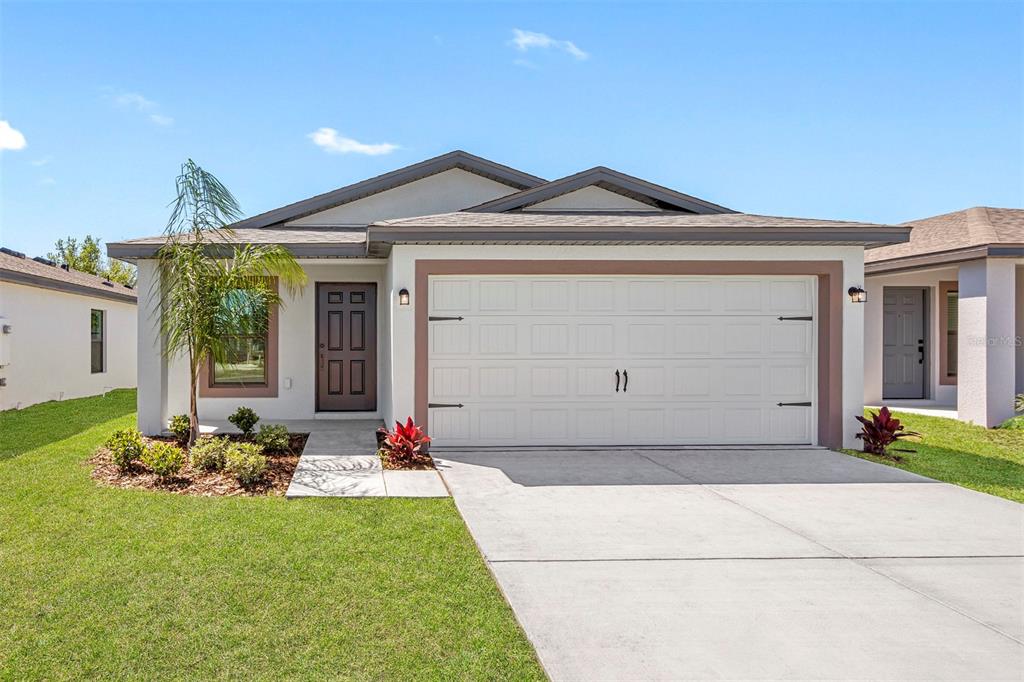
x=904, y=342
x=346, y=347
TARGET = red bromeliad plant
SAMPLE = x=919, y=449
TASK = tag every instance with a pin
x=406, y=445
x=881, y=431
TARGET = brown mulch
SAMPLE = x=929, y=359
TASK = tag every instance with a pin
x=426, y=462
x=189, y=481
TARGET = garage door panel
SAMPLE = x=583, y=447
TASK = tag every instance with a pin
x=534, y=360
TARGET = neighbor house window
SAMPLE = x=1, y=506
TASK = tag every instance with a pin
x=97, y=335
x=949, y=300
x=245, y=335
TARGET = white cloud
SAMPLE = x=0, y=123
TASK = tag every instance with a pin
x=527, y=40
x=329, y=140
x=135, y=101
x=47, y=181
x=11, y=138
x=141, y=104
x=42, y=161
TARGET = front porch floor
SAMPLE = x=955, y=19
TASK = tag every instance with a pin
x=340, y=460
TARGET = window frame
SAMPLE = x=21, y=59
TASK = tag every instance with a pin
x=945, y=289
x=102, y=341
x=209, y=389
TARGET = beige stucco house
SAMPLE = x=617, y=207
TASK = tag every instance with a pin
x=63, y=333
x=945, y=315
x=499, y=308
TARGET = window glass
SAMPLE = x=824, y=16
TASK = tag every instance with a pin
x=96, y=336
x=952, y=300
x=243, y=320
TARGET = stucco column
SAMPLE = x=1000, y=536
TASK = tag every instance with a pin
x=152, y=367
x=873, y=355
x=987, y=341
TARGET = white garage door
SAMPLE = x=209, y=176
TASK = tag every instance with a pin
x=621, y=360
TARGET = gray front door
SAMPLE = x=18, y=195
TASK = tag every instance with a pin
x=903, y=342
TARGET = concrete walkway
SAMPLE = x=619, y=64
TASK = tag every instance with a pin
x=732, y=564
x=340, y=460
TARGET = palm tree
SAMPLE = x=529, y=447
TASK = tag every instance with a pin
x=210, y=288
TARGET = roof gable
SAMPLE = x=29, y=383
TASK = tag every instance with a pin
x=965, y=229
x=511, y=177
x=648, y=193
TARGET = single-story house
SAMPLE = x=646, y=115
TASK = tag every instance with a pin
x=63, y=333
x=945, y=315
x=499, y=308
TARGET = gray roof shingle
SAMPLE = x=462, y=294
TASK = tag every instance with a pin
x=29, y=272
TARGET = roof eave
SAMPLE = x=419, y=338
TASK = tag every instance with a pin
x=128, y=251
x=29, y=279
x=931, y=260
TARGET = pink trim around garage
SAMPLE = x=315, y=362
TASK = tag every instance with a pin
x=830, y=312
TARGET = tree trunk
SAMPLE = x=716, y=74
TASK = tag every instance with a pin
x=193, y=407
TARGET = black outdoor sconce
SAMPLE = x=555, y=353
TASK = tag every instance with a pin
x=857, y=295
x=403, y=297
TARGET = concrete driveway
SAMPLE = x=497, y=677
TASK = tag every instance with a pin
x=730, y=564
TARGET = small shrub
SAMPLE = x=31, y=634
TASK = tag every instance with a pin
x=273, y=438
x=125, y=447
x=164, y=459
x=180, y=426
x=1013, y=423
x=881, y=431
x=246, y=462
x=208, y=454
x=406, y=445
x=244, y=419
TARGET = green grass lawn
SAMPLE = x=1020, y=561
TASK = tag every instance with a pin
x=102, y=582
x=989, y=460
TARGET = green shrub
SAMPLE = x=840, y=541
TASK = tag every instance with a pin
x=164, y=459
x=244, y=419
x=273, y=438
x=208, y=454
x=246, y=462
x=1013, y=423
x=180, y=426
x=125, y=447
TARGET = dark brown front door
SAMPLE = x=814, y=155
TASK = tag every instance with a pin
x=346, y=347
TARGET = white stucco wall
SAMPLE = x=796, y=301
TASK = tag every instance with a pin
x=403, y=267
x=451, y=190
x=941, y=394
x=50, y=350
x=590, y=198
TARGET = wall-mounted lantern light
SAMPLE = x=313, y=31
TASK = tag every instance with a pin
x=403, y=297
x=857, y=295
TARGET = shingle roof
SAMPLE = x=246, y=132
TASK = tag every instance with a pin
x=978, y=226
x=301, y=242
x=21, y=270
x=614, y=220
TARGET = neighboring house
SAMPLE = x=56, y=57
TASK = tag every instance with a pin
x=498, y=308
x=63, y=333
x=945, y=315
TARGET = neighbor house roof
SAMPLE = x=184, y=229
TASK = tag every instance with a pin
x=656, y=196
x=16, y=268
x=972, y=233
x=381, y=183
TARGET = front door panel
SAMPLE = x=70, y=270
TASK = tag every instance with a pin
x=903, y=343
x=346, y=350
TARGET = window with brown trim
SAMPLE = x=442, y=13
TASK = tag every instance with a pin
x=249, y=368
x=949, y=307
x=97, y=341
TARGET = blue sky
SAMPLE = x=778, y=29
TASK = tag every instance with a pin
x=883, y=111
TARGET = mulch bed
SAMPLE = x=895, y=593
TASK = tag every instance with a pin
x=189, y=481
x=427, y=464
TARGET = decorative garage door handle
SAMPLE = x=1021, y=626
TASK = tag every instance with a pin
x=439, y=318
x=793, y=404
x=617, y=378
x=625, y=384
x=804, y=318
x=433, y=405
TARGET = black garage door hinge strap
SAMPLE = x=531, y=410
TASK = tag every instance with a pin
x=437, y=318
x=793, y=404
x=802, y=318
x=432, y=405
